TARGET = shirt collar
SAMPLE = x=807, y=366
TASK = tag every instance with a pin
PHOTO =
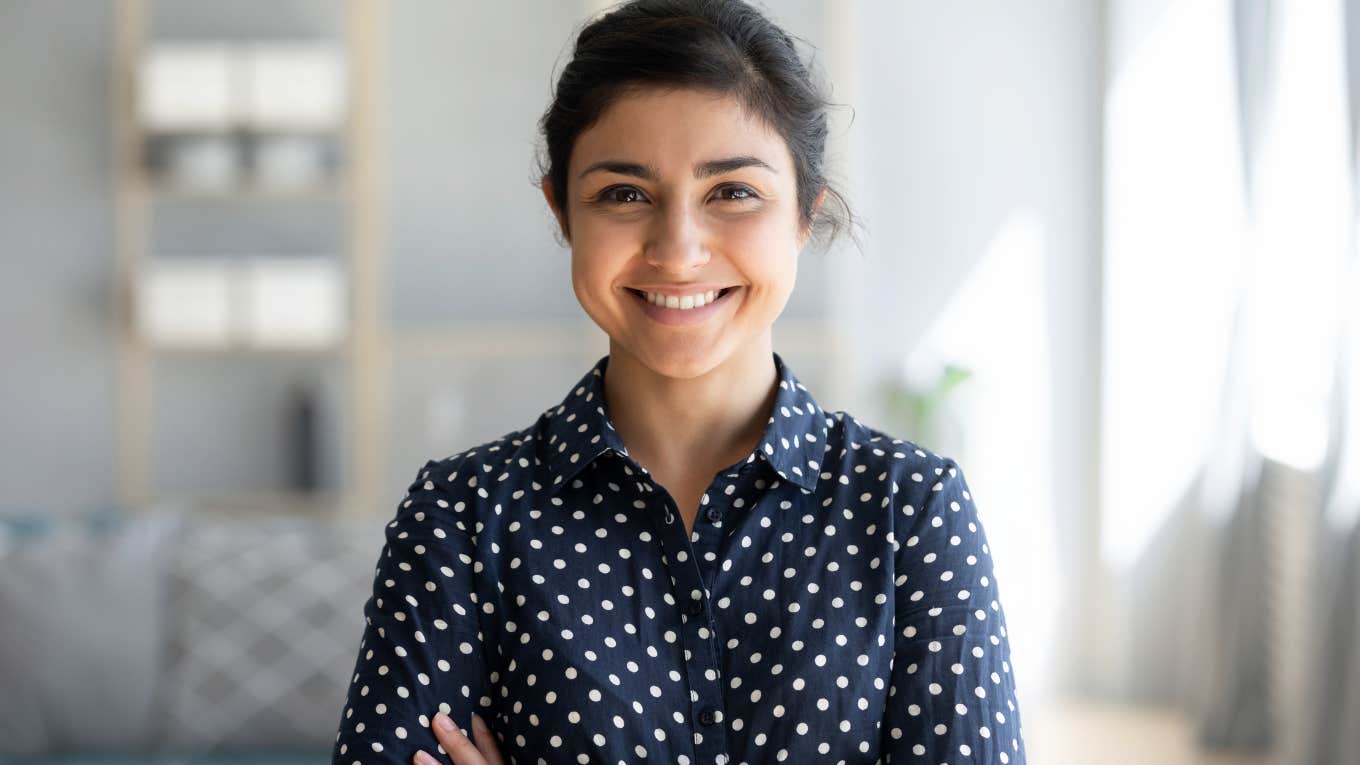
x=578, y=430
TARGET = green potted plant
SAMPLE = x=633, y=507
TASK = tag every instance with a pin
x=919, y=407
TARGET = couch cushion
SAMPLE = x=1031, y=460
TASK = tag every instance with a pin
x=267, y=614
x=80, y=623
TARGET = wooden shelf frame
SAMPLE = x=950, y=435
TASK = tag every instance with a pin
x=357, y=185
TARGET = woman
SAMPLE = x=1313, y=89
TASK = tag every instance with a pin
x=686, y=560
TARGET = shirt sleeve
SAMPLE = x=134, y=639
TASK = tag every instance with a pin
x=421, y=651
x=951, y=694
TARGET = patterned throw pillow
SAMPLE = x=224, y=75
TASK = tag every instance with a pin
x=264, y=617
x=80, y=625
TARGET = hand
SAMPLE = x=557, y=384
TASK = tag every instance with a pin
x=463, y=751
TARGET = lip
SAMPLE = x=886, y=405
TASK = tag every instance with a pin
x=677, y=317
x=680, y=289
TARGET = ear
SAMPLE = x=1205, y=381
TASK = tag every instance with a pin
x=807, y=231
x=546, y=185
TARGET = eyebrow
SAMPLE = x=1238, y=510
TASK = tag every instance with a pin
x=702, y=170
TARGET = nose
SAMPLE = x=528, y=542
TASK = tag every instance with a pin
x=676, y=243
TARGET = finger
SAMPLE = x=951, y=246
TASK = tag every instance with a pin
x=486, y=741
x=461, y=750
x=422, y=757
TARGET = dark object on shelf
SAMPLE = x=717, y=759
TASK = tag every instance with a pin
x=302, y=437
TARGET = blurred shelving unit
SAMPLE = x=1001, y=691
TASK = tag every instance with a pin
x=225, y=123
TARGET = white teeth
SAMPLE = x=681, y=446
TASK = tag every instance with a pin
x=683, y=303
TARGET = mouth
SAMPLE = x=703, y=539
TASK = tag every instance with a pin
x=643, y=297
x=677, y=316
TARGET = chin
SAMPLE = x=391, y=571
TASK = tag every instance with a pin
x=683, y=360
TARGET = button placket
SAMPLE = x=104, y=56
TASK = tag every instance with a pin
x=703, y=669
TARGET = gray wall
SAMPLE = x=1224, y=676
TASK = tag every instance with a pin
x=56, y=389
x=470, y=236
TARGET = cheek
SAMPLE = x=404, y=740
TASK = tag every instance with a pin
x=595, y=247
x=598, y=261
x=602, y=242
x=767, y=250
x=588, y=277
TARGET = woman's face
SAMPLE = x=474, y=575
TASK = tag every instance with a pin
x=680, y=192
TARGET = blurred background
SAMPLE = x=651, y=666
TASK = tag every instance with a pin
x=263, y=259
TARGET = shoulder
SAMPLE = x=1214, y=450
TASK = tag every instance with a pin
x=865, y=447
x=467, y=485
x=924, y=488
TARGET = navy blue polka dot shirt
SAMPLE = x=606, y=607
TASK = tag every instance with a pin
x=835, y=602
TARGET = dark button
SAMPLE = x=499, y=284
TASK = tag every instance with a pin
x=708, y=716
x=696, y=606
x=714, y=514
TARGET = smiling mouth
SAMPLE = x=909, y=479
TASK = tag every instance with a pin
x=643, y=296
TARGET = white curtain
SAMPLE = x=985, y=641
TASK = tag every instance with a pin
x=1231, y=446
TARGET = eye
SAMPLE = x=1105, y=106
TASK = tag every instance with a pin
x=620, y=195
x=741, y=193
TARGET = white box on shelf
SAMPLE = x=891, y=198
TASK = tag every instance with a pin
x=186, y=302
x=294, y=85
x=296, y=301
x=189, y=86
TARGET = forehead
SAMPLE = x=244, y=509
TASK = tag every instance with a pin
x=672, y=129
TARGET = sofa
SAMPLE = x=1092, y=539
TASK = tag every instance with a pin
x=179, y=635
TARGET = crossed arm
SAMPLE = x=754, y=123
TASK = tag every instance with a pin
x=951, y=695
x=421, y=655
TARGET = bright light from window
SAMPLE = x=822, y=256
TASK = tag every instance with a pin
x=1173, y=261
x=1302, y=211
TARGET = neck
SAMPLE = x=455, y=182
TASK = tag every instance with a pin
x=702, y=423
